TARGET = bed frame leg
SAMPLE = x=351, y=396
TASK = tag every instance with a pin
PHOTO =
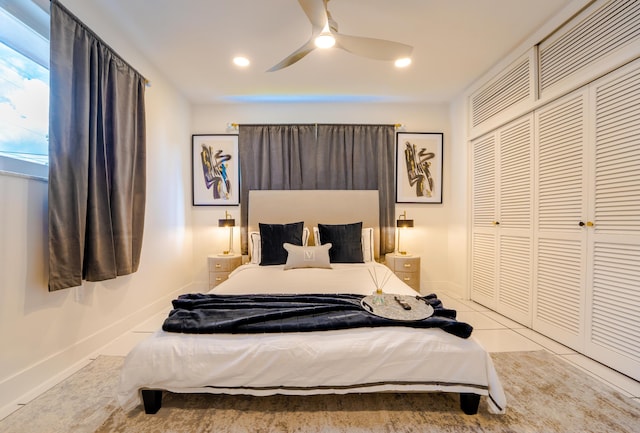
x=469, y=403
x=152, y=400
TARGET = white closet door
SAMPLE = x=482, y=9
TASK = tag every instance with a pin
x=484, y=215
x=614, y=289
x=515, y=200
x=561, y=211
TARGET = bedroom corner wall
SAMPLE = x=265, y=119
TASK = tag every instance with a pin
x=458, y=259
x=46, y=336
x=430, y=237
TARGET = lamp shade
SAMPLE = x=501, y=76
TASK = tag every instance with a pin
x=227, y=222
x=404, y=223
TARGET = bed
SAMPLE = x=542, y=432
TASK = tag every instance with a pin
x=380, y=357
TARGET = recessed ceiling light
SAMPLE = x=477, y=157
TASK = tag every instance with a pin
x=403, y=63
x=241, y=61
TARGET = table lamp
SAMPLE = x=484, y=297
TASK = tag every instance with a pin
x=228, y=222
x=402, y=223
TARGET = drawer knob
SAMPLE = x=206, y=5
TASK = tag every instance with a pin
x=218, y=265
x=407, y=265
x=407, y=278
x=218, y=278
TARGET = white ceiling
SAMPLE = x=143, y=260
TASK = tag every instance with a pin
x=455, y=41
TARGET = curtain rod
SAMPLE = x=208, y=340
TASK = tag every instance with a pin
x=235, y=126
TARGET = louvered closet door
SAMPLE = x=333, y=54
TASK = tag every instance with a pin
x=561, y=211
x=514, y=231
x=483, y=237
x=605, y=35
x=614, y=289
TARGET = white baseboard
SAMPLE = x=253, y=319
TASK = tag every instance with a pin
x=41, y=376
x=429, y=287
x=458, y=290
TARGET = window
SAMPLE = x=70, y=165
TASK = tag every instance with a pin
x=24, y=85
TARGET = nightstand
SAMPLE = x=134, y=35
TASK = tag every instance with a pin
x=221, y=266
x=407, y=268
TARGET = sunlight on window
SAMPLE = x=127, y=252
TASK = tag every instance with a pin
x=24, y=107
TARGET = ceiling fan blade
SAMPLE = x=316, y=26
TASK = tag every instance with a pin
x=295, y=56
x=378, y=49
x=316, y=11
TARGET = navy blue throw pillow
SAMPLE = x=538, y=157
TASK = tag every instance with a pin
x=273, y=236
x=346, y=240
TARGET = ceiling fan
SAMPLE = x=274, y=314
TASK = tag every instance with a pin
x=324, y=34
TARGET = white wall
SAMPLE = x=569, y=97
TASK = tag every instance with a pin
x=46, y=335
x=430, y=236
x=458, y=258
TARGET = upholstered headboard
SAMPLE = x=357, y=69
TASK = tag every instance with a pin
x=316, y=206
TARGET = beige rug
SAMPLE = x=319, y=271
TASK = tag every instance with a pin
x=545, y=395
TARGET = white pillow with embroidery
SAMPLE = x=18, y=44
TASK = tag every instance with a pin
x=307, y=257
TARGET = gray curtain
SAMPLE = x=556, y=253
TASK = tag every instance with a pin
x=319, y=157
x=96, y=157
x=361, y=157
x=273, y=157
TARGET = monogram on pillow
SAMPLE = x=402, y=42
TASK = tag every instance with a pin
x=307, y=257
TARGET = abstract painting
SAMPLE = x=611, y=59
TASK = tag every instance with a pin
x=215, y=170
x=419, y=167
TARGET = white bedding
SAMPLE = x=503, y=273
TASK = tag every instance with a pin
x=341, y=278
x=398, y=359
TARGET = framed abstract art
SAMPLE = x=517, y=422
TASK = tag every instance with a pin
x=215, y=170
x=419, y=167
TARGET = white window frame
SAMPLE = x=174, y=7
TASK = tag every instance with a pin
x=35, y=14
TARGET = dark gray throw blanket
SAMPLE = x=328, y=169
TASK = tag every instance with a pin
x=198, y=313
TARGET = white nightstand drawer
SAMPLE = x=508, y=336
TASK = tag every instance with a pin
x=411, y=279
x=220, y=267
x=407, y=268
x=215, y=278
x=224, y=264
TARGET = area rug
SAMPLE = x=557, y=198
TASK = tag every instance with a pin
x=544, y=394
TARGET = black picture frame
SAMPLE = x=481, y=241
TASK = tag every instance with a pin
x=419, y=167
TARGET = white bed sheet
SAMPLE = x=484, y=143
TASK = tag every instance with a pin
x=341, y=278
x=397, y=359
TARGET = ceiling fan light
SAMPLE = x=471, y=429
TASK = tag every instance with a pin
x=325, y=40
x=241, y=61
x=403, y=62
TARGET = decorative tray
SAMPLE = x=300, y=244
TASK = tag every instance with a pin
x=397, y=307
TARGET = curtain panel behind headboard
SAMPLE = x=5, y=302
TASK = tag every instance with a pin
x=319, y=157
x=97, y=160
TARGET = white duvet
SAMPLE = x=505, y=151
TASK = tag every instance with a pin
x=397, y=359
